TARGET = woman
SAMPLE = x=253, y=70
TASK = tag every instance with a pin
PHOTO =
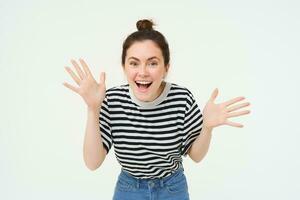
x=152, y=123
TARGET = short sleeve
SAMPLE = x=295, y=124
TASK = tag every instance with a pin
x=105, y=125
x=192, y=124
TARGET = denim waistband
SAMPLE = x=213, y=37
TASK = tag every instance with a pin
x=138, y=182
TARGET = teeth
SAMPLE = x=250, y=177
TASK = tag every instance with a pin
x=143, y=82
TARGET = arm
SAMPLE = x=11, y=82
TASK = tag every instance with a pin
x=93, y=151
x=215, y=115
x=93, y=94
x=200, y=146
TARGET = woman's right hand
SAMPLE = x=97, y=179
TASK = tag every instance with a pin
x=92, y=93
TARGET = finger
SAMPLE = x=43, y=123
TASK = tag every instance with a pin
x=235, y=114
x=232, y=101
x=236, y=107
x=78, y=69
x=234, y=124
x=73, y=75
x=85, y=67
x=102, y=78
x=214, y=94
x=71, y=87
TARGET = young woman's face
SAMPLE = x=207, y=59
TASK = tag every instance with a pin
x=145, y=70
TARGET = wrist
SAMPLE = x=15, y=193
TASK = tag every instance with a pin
x=93, y=109
x=207, y=128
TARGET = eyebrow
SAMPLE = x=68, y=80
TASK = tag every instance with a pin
x=147, y=59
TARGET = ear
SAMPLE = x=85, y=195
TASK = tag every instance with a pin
x=167, y=68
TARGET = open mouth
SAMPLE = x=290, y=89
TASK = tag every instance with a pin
x=143, y=84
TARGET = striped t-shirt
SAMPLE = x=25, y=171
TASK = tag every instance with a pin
x=150, y=138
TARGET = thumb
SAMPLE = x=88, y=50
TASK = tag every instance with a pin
x=102, y=77
x=214, y=95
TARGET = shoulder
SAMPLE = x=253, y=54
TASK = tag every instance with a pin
x=115, y=90
x=118, y=95
x=184, y=93
x=179, y=89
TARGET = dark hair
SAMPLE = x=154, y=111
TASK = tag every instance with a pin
x=146, y=32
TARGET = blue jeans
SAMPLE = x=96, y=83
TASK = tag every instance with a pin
x=173, y=187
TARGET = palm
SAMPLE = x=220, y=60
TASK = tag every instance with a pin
x=92, y=92
x=217, y=114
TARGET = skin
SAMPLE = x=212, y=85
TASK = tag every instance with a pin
x=93, y=93
x=215, y=115
x=144, y=62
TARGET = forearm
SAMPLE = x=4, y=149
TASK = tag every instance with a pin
x=200, y=146
x=93, y=150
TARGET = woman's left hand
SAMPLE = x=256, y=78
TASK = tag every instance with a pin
x=217, y=114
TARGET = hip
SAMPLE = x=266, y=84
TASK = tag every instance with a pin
x=172, y=187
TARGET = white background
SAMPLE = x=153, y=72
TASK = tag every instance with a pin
x=248, y=48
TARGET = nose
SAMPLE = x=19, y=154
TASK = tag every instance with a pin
x=143, y=70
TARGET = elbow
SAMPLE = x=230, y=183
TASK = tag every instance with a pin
x=92, y=166
x=196, y=160
x=93, y=163
x=197, y=157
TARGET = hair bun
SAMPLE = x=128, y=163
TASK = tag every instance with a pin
x=144, y=24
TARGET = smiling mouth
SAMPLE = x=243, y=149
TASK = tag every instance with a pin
x=143, y=85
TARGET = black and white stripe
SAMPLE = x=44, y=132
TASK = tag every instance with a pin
x=149, y=142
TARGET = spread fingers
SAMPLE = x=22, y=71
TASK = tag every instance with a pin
x=73, y=75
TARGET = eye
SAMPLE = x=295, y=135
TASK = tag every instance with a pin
x=133, y=64
x=153, y=63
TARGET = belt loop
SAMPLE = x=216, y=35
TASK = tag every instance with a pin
x=161, y=183
x=137, y=183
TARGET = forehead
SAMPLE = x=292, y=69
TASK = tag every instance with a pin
x=144, y=50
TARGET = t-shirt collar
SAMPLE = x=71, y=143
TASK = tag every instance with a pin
x=153, y=103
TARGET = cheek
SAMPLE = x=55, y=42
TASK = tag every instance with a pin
x=130, y=75
x=158, y=74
